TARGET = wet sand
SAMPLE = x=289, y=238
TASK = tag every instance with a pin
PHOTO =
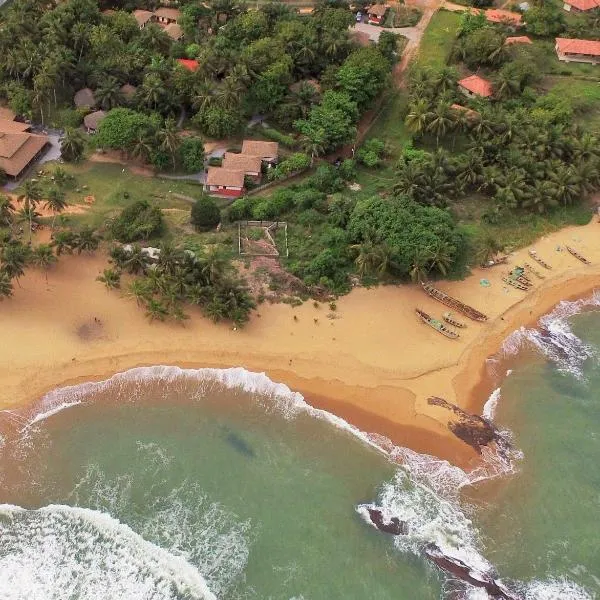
x=374, y=364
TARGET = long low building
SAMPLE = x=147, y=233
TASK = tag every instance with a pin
x=225, y=182
x=587, y=51
x=19, y=148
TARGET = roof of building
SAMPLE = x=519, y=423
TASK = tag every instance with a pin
x=569, y=46
x=128, y=90
x=464, y=109
x=225, y=177
x=174, y=31
x=295, y=87
x=583, y=4
x=92, y=120
x=260, y=148
x=142, y=16
x=242, y=162
x=7, y=114
x=377, y=9
x=497, y=15
x=168, y=13
x=477, y=85
x=190, y=65
x=18, y=149
x=10, y=126
x=84, y=98
x=517, y=39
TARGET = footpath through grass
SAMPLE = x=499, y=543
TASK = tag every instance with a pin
x=438, y=39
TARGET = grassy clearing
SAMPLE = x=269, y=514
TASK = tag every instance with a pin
x=438, y=39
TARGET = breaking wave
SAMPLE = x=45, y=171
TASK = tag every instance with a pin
x=69, y=552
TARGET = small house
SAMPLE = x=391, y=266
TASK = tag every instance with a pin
x=19, y=148
x=361, y=38
x=268, y=151
x=189, y=65
x=474, y=85
x=250, y=165
x=225, y=182
x=128, y=91
x=580, y=5
x=470, y=114
x=143, y=17
x=512, y=20
x=166, y=16
x=174, y=31
x=93, y=120
x=376, y=14
x=518, y=39
x=84, y=98
x=587, y=51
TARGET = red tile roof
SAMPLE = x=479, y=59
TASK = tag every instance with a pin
x=567, y=46
x=190, y=65
x=476, y=85
x=17, y=150
x=519, y=39
x=225, y=177
x=378, y=10
x=583, y=4
x=497, y=15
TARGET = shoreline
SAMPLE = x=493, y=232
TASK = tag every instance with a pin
x=374, y=364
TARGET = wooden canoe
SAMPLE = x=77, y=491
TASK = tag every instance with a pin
x=452, y=321
x=537, y=259
x=578, y=256
x=451, y=302
x=437, y=325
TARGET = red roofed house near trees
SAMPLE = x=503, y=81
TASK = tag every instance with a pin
x=497, y=15
x=519, y=39
x=586, y=51
x=225, y=182
x=475, y=86
x=376, y=14
x=580, y=5
x=190, y=65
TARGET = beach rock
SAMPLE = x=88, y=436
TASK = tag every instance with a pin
x=468, y=574
x=394, y=526
x=474, y=430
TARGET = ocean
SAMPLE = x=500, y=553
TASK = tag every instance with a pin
x=163, y=483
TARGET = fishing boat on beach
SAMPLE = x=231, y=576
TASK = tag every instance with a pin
x=453, y=303
x=449, y=318
x=516, y=284
x=437, y=325
x=534, y=271
x=578, y=256
x=500, y=260
x=540, y=261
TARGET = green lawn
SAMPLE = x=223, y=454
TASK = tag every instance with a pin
x=438, y=39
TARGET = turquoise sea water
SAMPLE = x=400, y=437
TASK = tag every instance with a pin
x=170, y=484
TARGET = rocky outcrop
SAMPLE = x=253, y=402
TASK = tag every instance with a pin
x=460, y=570
x=394, y=526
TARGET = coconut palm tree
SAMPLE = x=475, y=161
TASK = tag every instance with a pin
x=168, y=259
x=140, y=289
x=137, y=260
x=111, y=278
x=64, y=241
x=440, y=120
x=31, y=195
x=14, y=257
x=417, y=119
x=72, y=144
x=371, y=258
x=204, y=95
x=156, y=310
x=168, y=139
x=43, y=257
x=442, y=255
x=108, y=95
x=56, y=203
x=7, y=211
x=314, y=144
x=86, y=240
x=564, y=184
x=418, y=269
x=6, y=287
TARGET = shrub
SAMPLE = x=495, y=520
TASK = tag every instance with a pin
x=327, y=179
x=276, y=136
x=205, y=213
x=371, y=152
x=191, y=152
x=296, y=162
x=215, y=161
x=139, y=221
x=240, y=210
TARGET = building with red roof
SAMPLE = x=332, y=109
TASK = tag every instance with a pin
x=190, y=65
x=506, y=17
x=474, y=85
x=518, y=39
x=580, y=5
x=587, y=51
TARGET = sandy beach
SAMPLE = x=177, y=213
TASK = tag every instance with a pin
x=374, y=363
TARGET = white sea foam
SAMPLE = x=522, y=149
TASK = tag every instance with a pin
x=489, y=408
x=556, y=589
x=68, y=552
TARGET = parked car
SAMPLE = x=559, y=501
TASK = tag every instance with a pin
x=359, y=17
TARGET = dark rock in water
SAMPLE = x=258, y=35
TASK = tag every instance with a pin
x=470, y=575
x=474, y=430
x=394, y=526
x=239, y=444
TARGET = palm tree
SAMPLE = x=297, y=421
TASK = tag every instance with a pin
x=168, y=259
x=418, y=269
x=417, y=118
x=140, y=289
x=542, y=196
x=64, y=241
x=56, y=203
x=442, y=255
x=7, y=211
x=564, y=184
x=141, y=148
x=6, y=288
x=31, y=195
x=441, y=120
x=14, y=257
x=213, y=265
x=203, y=95
x=488, y=247
x=86, y=240
x=155, y=309
x=152, y=91
x=169, y=139
x=110, y=278
x=72, y=145
x=506, y=85
x=229, y=92
x=43, y=257
x=137, y=260
x=371, y=258
x=60, y=177
x=314, y=144
x=108, y=95
x=304, y=97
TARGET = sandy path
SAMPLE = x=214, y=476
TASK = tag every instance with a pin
x=374, y=364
